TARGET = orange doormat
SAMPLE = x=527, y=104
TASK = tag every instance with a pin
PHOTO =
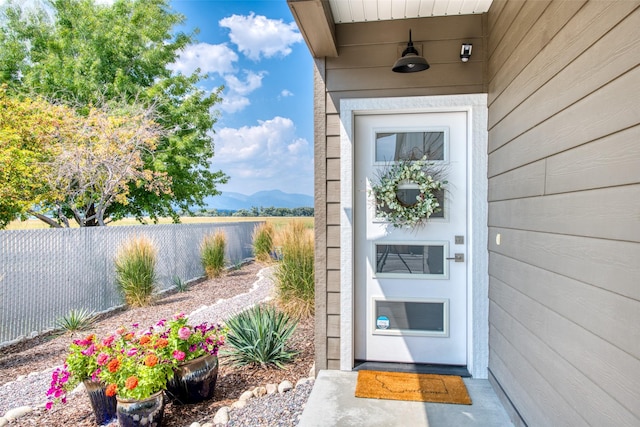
x=418, y=387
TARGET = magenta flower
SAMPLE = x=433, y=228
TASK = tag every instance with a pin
x=108, y=341
x=178, y=316
x=179, y=355
x=132, y=352
x=161, y=322
x=49, y=405
x=184, y=333
x=102, y=359
x=89, y=350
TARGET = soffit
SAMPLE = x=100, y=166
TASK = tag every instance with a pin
x=345, y=11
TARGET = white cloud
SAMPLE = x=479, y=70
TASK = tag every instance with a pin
x=235, y=99
x=210, y=58
x=258, y=36
x=285, y=93
x=265, y=157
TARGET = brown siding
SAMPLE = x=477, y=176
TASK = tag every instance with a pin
x=564, y=196
x=363, y=70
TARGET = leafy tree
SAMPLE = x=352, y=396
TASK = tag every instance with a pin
x=86, y=54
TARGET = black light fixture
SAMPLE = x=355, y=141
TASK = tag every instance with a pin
x=465, y=52
x=410, y=62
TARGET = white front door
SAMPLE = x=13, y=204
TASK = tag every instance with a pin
x=410, y=284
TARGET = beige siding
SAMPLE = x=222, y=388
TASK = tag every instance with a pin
x=564, y=209
x=363, y=70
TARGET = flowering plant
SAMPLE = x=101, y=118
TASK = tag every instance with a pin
x=134, y=366
x=188, y=342
x=80, y=364
x=421, y=174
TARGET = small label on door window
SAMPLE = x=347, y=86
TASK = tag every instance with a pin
x=382, y=322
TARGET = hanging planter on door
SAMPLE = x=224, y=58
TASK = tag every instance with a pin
x=406, y=192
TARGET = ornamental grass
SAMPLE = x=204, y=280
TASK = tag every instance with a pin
x=212, y=251
x=135, y=266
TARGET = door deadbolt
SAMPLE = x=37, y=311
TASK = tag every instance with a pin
x=457, y=258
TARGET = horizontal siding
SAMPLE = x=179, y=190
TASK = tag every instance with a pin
x=613, y=370
x=564, y=206
x=612, y=264
x=608, y=213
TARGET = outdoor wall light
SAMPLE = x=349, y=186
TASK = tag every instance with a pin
x=465, y=52
x=410, y=62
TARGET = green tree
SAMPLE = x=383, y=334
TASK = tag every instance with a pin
x=86, y=54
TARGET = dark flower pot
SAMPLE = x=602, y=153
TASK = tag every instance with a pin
x=141, y=412
x=194, y=381
x=104, y=407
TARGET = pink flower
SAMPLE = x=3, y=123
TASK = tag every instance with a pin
x=179, y=355
x=102, y=359
x=178, y=316
x=132, y=352
x=184, y=333
x=89, y=350
x=49, y=405
x=161, y=322
x=108, y=341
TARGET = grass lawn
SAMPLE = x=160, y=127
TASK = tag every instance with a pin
x=278, y=222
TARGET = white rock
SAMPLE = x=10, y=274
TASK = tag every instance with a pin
x=15, y=413
x=3, y=421
x=271, y=388
x=210, y=424
x=222, y=416
x=21, y=377
x=312, y=371
x=239, y=404
x=284, y=386
x=259, y=391
x=246, y=395
x=195, y=424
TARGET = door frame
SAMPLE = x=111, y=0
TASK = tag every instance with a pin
x=475, y=105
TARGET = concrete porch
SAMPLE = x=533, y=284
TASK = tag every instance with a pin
x=332, y=403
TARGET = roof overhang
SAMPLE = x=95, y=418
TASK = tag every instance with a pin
x=317, y=19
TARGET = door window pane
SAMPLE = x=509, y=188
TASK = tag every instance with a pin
x=410, y=259
x=397, y=146
x=410, y=316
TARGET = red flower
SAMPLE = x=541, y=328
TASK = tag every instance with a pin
x=131, y=383
x=113, y=365
x=111, y=390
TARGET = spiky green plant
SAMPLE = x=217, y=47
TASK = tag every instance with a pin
x=212, y=252
x=263, y=241
x=135, y=271
x=76, y=320
x=295, y=272
x=258, y=336
x=179, y=284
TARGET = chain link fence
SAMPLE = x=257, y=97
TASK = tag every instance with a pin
x=45, y=273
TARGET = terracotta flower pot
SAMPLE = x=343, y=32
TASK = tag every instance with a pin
x=194, y=381
x=141, y=412
x=104, y=407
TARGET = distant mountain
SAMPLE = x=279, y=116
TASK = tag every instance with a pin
x=276, y=198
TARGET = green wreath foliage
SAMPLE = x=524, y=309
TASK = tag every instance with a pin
x=399, y=214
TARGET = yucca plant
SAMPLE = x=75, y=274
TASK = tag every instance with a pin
x=263, y=241
x=295, y=272
x=258, y=336
x=76, y=320
x=212, y=253
x=135, y=271
x=179, y=284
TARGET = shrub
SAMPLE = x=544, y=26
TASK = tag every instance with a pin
x=295, y=272
x=76, y=320
x=212, y=252
x=263, y=241
x=135, y=271
x=258, y=336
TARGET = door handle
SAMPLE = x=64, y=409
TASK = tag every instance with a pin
x=457, y=258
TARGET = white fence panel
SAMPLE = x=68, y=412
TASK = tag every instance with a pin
x=45, y=273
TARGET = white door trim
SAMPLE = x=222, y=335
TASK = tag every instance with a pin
x=477, y=273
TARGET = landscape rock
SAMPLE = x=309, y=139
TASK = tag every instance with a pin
x=246, y=395
x=3, y=421
x=312, y=371
x=284, y=386
x=15, y=413
x=195, y=424
x=271, y=388
x=259, y=391
x=209, y=424
x=222, y=416
x=239, y=404
x=303, y=381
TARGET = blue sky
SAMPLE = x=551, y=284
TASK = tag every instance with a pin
x=264, y=134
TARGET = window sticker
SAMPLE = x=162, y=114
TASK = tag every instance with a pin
x=382, y=322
